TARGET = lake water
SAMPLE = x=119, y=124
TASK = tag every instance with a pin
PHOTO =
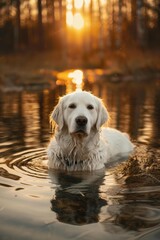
x=39, y=204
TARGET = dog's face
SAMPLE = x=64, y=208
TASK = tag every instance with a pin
x=79, y=112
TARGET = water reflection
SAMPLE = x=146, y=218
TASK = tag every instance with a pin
x=132, y=218
x=71, y=80
x=77, y=201
x=115, y=211
x=133, y=108
x=77, y=78
x=81, y=199
x=24, y=119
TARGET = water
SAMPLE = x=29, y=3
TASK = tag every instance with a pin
x=39, y=204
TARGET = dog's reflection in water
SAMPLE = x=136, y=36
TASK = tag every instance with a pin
x=76, y=200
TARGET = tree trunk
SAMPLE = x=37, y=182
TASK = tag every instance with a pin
x=133, y=16
x=17, y=26
x=158, y=17
x=87, y=41
x=7, y=10
x=113, y=23
x=40, y=25
x=63, y=32
x=91, y=24
x=100, y=35
x=140, y=23
x=109, y=20
x=118, y=36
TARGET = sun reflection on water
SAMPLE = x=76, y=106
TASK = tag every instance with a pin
x=77, y=78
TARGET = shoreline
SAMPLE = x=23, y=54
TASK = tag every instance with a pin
x=36, y=70
x=47, y=79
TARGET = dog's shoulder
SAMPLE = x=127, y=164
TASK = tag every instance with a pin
x=117, y=141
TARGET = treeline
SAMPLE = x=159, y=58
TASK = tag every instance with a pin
x=110, y=24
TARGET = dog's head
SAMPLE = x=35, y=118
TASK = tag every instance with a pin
x=80, y=112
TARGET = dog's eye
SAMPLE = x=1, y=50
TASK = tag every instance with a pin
x=72, y=105
x=90, y=107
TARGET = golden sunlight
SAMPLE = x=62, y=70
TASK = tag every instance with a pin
x=87, y=2
x=69, y=18
x=76, y=21
x=77, y=78
x=78, y=4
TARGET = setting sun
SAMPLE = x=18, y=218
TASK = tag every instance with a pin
x=69, y=18
x=74, y=18
x=76, y=21
x=78, y=4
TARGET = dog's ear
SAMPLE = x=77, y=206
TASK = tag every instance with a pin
x=57, y=115
x=102, y=114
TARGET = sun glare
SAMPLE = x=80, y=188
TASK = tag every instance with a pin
x=78, y=4
x=75, y=19
x=87, y=2
x=77, y=78
x=78, y=21
x=69, y=18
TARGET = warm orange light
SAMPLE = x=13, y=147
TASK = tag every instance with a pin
x=69, y=18
x=87, y=2
x=75, y=20
x=78, y=4
x=77, y=78
x=78, y=21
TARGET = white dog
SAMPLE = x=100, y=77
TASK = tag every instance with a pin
x=79, y=142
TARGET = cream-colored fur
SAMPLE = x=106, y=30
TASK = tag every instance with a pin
x=80, y=142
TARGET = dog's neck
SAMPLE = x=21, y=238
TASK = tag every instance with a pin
x=77, y=145
x=74, y=152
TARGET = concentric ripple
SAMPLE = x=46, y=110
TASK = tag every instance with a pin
x=31, y=162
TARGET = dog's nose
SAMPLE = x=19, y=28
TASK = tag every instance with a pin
x=81, y=121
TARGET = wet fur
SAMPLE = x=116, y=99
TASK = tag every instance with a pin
x=70, y=151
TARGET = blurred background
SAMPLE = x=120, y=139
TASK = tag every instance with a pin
x=123, y=35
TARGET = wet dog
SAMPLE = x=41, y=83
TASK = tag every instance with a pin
x=80, y=142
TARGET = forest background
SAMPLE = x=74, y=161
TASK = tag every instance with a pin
x=119, y=35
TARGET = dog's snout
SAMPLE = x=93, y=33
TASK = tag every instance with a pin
x=81, y=121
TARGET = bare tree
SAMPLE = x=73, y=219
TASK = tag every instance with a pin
x=133, y=16
x=87, y=35
x=100, y=34
x=91, y=21
x=119, y=24
x=158, y=13
x=109, y=20
x=140, y=23
x=63, y=32
x=40, y=24
x=106, y=23
x=7, y=9
x=17, y=25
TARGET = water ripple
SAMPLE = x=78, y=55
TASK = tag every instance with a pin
x=31, y=162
